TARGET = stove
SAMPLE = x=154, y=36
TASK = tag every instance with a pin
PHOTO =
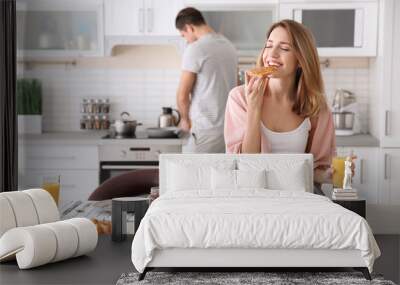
x=131, y=154
x=113, y=136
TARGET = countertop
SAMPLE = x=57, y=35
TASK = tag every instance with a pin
x=94, y=138
x=360, y=140
x=91, y=138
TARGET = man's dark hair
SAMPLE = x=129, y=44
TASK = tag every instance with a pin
x=189, y=16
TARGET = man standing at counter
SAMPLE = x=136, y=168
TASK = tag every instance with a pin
x=209, y=68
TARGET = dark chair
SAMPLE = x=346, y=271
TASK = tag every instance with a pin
x=133, y=183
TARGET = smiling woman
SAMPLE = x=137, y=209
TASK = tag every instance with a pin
x=285, y=111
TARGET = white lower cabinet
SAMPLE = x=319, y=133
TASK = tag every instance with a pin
x=366, y=175
x=384, y=217
x=77, y=166
x=377, y=179
x=390, y=174
x=365, y=178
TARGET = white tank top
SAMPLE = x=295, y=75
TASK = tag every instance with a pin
x=294, y=141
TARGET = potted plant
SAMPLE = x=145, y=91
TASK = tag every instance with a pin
x=29, y=106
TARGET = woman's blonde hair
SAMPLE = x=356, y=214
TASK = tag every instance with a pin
x=309, y=98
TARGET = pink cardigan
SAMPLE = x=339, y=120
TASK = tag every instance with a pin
x=321, y=142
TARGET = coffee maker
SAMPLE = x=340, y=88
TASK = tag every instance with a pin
x=345, y=112
x=167, y=119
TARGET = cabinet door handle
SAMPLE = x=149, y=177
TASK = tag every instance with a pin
x=386, y=176
x=361, y=171
x=386, y=122
x=149, y=20
x=141, y=20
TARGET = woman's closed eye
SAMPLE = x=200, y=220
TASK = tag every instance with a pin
x=284, y=48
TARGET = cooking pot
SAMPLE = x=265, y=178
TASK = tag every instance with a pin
x=343, y=120
x=125, y=127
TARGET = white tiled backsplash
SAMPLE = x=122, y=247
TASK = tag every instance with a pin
x=142, y=92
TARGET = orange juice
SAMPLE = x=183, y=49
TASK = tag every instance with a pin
x=53, y=188
x=338, y=173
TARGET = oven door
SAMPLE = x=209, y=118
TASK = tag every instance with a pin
x=110, y=169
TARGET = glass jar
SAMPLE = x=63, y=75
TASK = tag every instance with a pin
x=91, y=106
x=97, y=122
x=106, y=106
x=105, y=122
x=83, y=123
x=84, y=106
x=98, y=106
x=89, y=122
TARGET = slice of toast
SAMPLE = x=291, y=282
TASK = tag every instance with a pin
x=262, y=71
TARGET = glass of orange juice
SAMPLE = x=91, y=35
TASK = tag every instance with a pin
x=338, y=171
x=51, y=183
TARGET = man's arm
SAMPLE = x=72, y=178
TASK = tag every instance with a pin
x=185, y=88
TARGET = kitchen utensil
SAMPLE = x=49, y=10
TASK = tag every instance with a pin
x=167, y=119
x=342, y=99
x=125, y=127
x=169, y=132
x=343, y=107
x=343, y=120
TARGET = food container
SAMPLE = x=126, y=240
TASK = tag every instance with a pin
x=98, y=106
x=89, y=122
x=106, y=106
x=84, y=106
x=97, y=122
x=105, y=122
x=91, y=106
x=83, y=123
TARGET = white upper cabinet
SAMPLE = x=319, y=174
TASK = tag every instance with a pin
x=228, y=3
x=160, y=17
x=244, y=23
x=59, y=28
x=340, y=29
x=124, y=17
x=141, y=17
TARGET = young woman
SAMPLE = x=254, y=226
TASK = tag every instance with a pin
x=285, y=112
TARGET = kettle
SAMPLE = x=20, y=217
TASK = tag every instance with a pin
x=167, y=119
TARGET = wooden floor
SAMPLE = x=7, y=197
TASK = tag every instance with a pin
x=110, y=260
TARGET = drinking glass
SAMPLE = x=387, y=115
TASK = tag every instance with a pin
x=51, y=183
x=338, y=173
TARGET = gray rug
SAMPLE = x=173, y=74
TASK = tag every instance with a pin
x=230, y=278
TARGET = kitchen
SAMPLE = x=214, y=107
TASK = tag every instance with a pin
x=128, y=53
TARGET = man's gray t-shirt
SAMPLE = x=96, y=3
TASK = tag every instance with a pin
x=214, y=60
